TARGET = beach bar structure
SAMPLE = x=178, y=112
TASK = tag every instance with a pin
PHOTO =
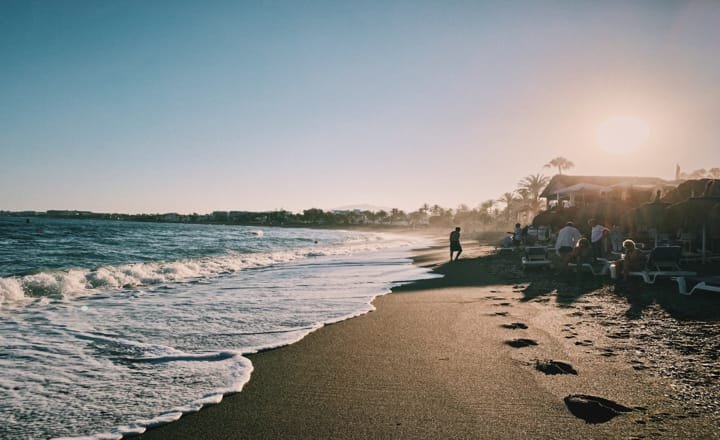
x=605, y=198
x=568, y=191
x=650, y=210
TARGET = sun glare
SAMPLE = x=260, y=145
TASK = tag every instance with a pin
x=622, y=134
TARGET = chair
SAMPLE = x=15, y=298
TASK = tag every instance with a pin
x=535, y=256
x=601, y=266
x=707, y=283
x=663, y=261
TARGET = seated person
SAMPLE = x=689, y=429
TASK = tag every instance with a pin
x=634, y=259
x=517, y=235
x=583, y=252
x=567, y=237
x=506, y=242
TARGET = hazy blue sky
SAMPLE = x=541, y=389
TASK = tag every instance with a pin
x=150, y=106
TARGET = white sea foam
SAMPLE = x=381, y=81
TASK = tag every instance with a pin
x=11, y=291
x=73, y=283
x=241, y=375
x=148, y=355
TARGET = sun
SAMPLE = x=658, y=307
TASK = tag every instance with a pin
x=622, y=134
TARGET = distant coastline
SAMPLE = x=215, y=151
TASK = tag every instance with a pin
x=394, y=219
x=275, y=218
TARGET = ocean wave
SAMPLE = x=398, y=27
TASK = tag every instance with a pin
x=211, y=357
x=73, y=283
x=11, y=291
x=241, y=376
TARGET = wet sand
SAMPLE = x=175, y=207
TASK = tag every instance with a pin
x=461, y=357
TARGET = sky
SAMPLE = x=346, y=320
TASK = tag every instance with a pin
x=170, y=106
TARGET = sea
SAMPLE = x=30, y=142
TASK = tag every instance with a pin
x=108, y=328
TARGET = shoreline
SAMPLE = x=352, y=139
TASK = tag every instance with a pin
x=432, y=361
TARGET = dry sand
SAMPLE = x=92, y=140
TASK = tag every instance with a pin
x=433, y=361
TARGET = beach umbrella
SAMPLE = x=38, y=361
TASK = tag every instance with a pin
x=651, y=215
x=697, y=212
x=605, y=212
x=556, y=219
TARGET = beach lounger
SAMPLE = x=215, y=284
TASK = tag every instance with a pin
x=535, y=256
x=600, y=267
x=663, y=262
x=706, y=283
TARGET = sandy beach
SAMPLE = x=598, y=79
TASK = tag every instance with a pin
x=459, y=357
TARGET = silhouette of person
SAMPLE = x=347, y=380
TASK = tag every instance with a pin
x=634, y=259
x=582, y=253
x=565, y=242
x=517, y=235
x=455, y=244
x=596, y=235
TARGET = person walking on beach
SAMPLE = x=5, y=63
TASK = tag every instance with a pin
x=455, y=244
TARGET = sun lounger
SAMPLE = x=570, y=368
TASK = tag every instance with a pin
x=663, y=262
x=601, y=266
x=535, y=256
x=707, y=284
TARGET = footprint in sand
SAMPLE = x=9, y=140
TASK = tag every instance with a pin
x=503, y=304
x=638, y=365
x=555, y=367
x=585, y=343
x=607, y=352
x=515, y=325
x=499, y=314
x=521, y=342
x=594, y=409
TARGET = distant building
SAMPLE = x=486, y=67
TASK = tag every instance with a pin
x=353, y=217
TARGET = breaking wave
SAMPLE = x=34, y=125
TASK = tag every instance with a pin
x=72, y=283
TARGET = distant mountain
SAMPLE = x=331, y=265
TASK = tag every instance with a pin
x=362, y=207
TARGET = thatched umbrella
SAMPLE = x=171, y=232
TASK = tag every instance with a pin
x=651, y=215
x=697, y=212
x=606, y=212
x=556, y=219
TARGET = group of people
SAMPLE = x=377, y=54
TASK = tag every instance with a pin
x=572, y=246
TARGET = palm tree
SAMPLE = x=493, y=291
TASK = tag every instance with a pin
x=509, y=200
x=530, y=189
x=487, y=205
x=534, y=184
x=560, y=163
x=484, y=211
